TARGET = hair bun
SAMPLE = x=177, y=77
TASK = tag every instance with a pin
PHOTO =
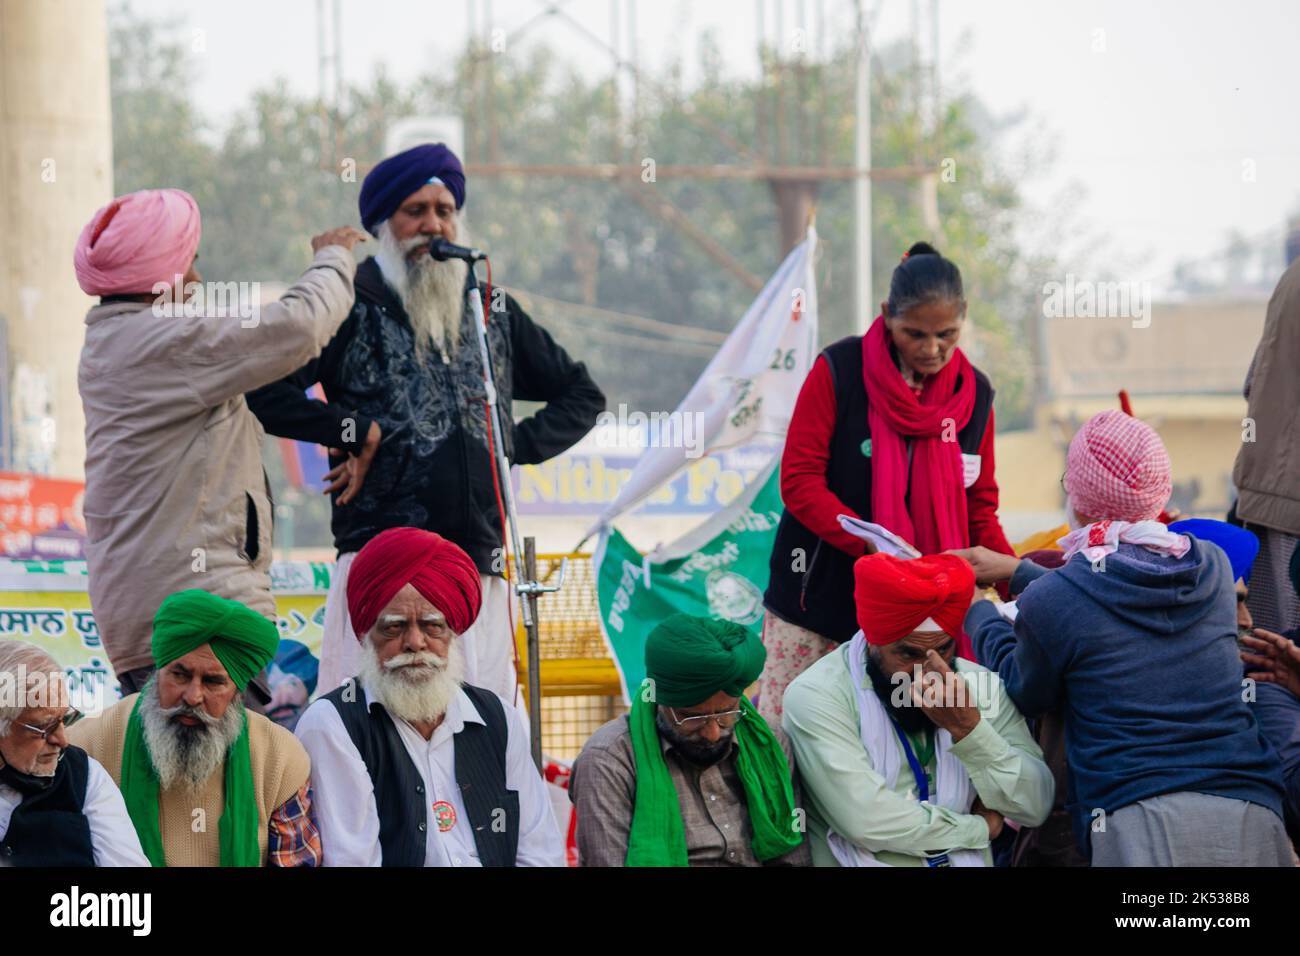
x=923, y=276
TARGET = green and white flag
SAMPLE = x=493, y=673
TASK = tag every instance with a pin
x=743, y=400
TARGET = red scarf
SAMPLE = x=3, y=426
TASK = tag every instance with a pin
x=937, y=518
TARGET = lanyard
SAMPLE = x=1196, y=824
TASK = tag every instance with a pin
x=922, y=788
x=918, y=772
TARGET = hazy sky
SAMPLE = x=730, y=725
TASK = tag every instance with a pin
x=1161, y=129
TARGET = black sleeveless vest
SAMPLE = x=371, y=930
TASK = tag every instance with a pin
x=403, y=805
x=50, y=828
x=820, y=598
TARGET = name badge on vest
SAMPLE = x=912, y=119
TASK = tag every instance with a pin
x=970, y=469
x=444, y=814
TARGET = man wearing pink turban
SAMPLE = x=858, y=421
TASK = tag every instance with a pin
x=176, y=497
x=411, y=766
x=137, y=241
x=1133, y=638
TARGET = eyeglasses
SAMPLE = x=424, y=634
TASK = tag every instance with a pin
x=67, y=720
x=725, y=720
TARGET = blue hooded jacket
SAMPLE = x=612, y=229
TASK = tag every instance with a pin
x=1143, y=658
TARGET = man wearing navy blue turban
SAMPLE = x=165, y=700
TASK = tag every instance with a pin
x=389, y=184
x=405, y=414
x=1272, y=660
x=1239, y=545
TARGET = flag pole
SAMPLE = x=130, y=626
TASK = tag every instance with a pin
x=862, y=294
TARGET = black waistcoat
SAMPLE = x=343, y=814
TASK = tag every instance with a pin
x=49, y=828
x=820, y=597
x=403, y=805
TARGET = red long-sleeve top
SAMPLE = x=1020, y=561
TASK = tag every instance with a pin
x=806, y=494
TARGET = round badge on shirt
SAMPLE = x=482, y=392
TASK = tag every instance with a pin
x=445, y=815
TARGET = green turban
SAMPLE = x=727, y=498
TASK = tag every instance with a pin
x=243, y=640
x=692, y=658
x=688, y=660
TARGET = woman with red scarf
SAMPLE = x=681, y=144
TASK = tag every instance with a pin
x=895, y=427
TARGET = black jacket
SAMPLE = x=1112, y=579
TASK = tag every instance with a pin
x=434, y=466
x=49, y=827
x=479, y=755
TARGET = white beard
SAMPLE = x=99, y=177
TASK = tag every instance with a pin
x=414, y=694
x=432, y=292
x=187, y=755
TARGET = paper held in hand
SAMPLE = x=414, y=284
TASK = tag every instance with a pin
x=886, y=541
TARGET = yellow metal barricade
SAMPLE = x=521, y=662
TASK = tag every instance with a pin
x=579, y=682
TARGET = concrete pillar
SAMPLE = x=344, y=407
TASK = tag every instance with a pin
x=56, y=169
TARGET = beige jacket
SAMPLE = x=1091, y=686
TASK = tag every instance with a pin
x=175, y=492
x=280, y=766
x=1267, y=472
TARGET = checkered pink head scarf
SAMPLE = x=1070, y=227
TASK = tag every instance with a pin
x=1118, y=469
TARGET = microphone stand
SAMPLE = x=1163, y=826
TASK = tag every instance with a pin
x=527, y=587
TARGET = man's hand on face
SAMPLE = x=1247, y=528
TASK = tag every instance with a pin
x=1273, y=659
x=350, y=473
x=945, y=697
x=344, y=236
x=989, y=566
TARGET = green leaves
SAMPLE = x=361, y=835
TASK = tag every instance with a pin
x=272, y=178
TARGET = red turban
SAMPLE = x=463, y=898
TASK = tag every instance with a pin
x=895, y=596
x=439, y=569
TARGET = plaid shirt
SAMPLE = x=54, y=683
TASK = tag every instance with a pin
x=292, y=837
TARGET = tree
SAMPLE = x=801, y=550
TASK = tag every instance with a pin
x=596, y=263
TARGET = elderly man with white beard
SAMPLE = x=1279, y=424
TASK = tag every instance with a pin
x=207, y=782
x=406, y=414
x=58, y=806
x=411, y=766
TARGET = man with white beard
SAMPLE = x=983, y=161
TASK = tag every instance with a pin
x=206, y=782
x=411, y=766
x=406, y=414
x=58, y=806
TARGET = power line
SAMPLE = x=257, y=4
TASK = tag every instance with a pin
x=595, y=313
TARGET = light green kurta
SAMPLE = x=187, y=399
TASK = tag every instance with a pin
x=844, y=793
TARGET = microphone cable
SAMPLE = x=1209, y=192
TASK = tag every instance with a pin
x=496, y=489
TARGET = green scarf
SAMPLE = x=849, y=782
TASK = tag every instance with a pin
x=238, y=828
x=658, y=837
x=244, y=642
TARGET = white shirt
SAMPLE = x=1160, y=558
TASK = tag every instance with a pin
x=113, y=840
x=343, y=797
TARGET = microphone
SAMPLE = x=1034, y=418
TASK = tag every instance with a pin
x=442, y=250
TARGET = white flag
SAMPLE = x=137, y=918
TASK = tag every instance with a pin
x=746, y=395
